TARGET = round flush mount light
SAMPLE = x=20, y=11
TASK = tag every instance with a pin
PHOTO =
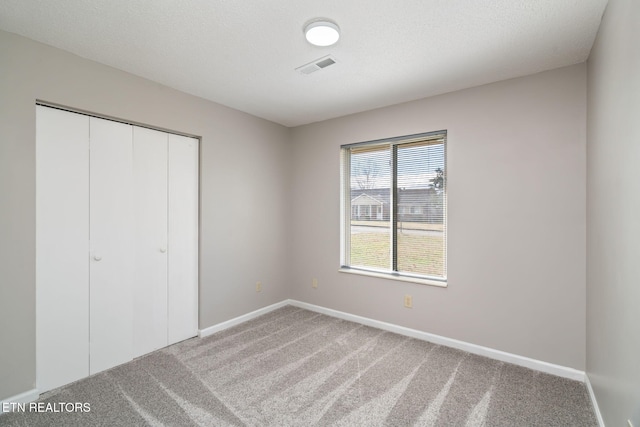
x=322, y=32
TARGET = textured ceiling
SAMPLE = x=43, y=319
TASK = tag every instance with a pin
x=242, y=53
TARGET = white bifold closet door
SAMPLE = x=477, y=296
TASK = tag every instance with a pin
x=62, y=238
x=183, y=238
x=150, y=154
x=116, y=243
x=166, y=206
x=111, y=235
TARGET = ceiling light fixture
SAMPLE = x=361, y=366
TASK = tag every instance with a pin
x=322, y=32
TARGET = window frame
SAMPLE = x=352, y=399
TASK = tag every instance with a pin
x=346, y=209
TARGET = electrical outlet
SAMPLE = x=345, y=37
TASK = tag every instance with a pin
x=258, y=286
x=408, y=301
x=314, y=283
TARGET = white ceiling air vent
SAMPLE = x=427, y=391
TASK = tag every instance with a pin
x=316, y=65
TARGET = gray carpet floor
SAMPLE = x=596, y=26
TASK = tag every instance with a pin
x=294, y=367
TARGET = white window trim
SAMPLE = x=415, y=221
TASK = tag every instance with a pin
x=345, y=215
x=394, y=276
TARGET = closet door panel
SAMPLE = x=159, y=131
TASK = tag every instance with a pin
x=150, y=200
x=112, y=244
x=183, y=238
x=62, y=247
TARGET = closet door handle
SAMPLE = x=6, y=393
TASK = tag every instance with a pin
x=97, y=257
x=163, y=250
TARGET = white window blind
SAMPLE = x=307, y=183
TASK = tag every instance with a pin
x=394, y=206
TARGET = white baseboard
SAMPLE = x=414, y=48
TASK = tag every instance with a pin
x=240, y=319
x=538, y=365
x=594, y=402
x=26, y=397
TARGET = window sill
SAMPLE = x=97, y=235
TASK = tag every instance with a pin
x=391, y=276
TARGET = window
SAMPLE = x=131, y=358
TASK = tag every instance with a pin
x=406, y=178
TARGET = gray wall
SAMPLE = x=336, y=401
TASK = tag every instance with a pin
x=517, y=221
x=613, y=214
x=244, y=176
